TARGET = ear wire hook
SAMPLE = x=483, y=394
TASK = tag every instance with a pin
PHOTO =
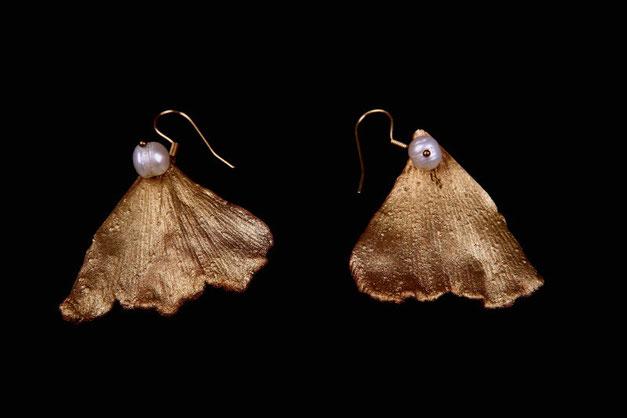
x=392, y=141
x=174, y=147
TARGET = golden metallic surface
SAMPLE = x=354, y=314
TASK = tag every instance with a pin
x=437, y=232
x=166, y=238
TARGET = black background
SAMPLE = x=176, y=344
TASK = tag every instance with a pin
x=284, y=116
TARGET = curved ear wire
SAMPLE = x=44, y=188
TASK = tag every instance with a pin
x=174, y=147
x=392, y=140
x=438, y=232
x=165, y=241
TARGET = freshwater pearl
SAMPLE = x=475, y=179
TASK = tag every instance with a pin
x=151, y=159
x=425, y=152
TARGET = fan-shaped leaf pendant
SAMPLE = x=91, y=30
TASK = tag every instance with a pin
x=437, y=232
x=162, y=243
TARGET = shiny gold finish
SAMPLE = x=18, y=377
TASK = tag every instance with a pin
x=162, y=243
x=438, y=231
x=392, y=141
x=174, y=147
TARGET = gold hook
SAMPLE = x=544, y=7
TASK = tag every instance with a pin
x=392, y=140
x=174, y=147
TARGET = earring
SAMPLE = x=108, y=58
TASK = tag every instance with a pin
x=165, y=240
x=437, y=232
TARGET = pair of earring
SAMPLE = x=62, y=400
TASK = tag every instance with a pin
x=437, y=232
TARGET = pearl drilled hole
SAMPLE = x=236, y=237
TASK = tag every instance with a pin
x=425, y=152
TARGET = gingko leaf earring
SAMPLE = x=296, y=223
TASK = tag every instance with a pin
x=165, y=240
x=438, y=231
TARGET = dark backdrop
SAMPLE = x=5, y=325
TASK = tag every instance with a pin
x=285, y=118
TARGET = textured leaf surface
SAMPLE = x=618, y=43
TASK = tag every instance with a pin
x=437, y=232
x=162, y=243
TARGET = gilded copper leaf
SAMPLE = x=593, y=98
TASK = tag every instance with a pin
x=162, y=243
x=438, y=231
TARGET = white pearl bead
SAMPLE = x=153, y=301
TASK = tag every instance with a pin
x=425, y=152
x=151, y=159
